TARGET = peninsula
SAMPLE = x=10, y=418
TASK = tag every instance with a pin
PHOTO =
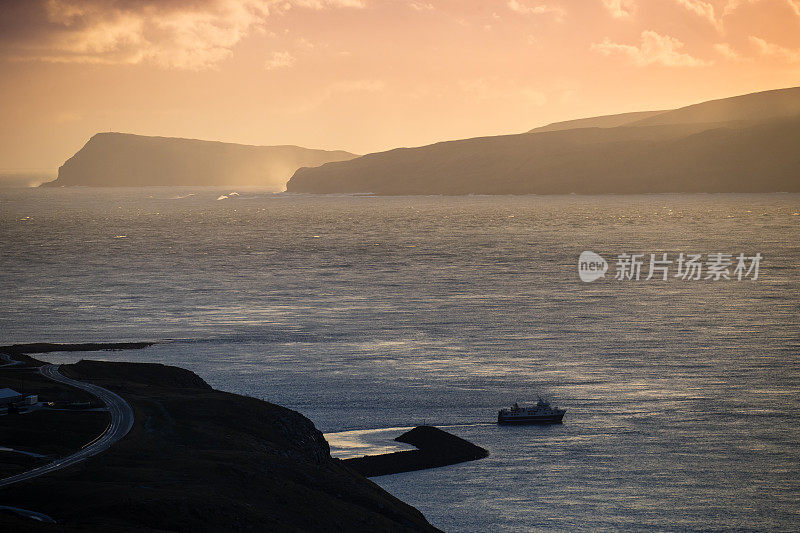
x=125, y=160
x=194, y=459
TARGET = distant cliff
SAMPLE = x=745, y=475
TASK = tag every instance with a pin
x=741, y=144
x=124, y=160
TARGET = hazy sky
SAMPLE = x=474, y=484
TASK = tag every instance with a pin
x=367, y=75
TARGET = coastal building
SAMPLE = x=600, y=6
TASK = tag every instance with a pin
x=13, y=400
x=9, y=396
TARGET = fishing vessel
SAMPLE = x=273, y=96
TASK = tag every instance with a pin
x=541, y=413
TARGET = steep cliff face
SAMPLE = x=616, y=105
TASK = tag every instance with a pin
x=124, y=160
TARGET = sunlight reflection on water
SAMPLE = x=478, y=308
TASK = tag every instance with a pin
x=682, y=398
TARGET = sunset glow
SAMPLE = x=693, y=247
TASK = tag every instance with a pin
x=368, y=75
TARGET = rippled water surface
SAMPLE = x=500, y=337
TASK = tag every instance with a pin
x=682, y=397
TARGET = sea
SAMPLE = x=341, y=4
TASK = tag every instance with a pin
x=371, y=315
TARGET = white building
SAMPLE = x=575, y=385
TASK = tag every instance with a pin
x=9, y=396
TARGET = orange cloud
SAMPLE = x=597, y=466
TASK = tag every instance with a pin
x=540, y=9
x=280, y=60
x=421, y=6
x=702, y=9
x=323, y=4
x=655, y=49
x=773, y=50
x=728, y=52
x=367, y=75
x=619, y=8
x=191, y=35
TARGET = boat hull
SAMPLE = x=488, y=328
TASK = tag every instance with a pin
x=538, y=420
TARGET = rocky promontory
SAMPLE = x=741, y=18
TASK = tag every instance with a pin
x=434, y=448
x=125, y=160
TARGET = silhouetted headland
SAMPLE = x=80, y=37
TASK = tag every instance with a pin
x=125, y=160
x=742, y=144
x=196, y=459
x=434, y=448
x=49, y=347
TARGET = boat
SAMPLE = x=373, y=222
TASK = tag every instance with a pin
x=542, y=413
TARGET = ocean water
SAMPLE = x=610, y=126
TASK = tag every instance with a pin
x=370, y=315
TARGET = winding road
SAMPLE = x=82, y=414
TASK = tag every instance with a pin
x=121, y=423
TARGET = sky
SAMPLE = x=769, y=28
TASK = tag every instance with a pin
x=367, y=75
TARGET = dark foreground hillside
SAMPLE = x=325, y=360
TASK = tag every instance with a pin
x=198, y=459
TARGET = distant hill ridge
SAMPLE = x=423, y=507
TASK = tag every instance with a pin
x=605, y=121
x=122, y=159
x=745, y=143
x=747, y=107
